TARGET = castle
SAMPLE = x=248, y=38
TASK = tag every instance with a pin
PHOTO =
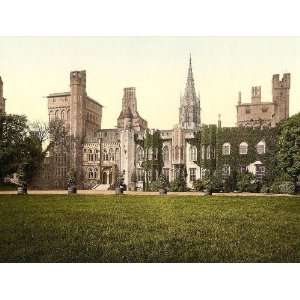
x=133, y=150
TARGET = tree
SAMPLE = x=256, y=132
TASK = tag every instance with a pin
x=288, y=155
x=13, y=135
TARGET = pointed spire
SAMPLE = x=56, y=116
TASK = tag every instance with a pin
x=190, y=72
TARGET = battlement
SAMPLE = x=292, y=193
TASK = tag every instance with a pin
x=256, y=94
x=284, y=83
x=78, y=78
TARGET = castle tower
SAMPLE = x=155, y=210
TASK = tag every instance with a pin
x=129, y=116
x=189, y=111
x=77, y=103
x=2, y=99
x=77, y=129
x=281, y=91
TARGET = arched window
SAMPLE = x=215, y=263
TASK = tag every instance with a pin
x=193, y=153
x=95, y=173
x=90, y=173
x=90, y=155
x=62, y=114
x=51, y=115
x=261, y=147
x=105, y=154
x=111, y=155
x=166, y=153
x=243, y=148
x=226, y=149
x=176, y=153
x=202, y=152
x=208, y=152
x=226, y=170
x=117, y=154
x=56, y=115
x=68, y=114
x=140, y=154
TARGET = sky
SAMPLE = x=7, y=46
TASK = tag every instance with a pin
x=33, y=67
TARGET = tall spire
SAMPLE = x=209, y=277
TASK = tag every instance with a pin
x=190, y=93
x=189, y=111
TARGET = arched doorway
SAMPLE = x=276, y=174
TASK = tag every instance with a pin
x=104, y=178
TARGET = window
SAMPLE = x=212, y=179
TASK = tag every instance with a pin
x=226, y=149
x=111, y=155
x=260, y=172
x=176, y=153
x=243, y=169
x=62, y=114
x=193, y=153
x=56, y=115
x=226, y=170
x=261, y=147
x=155, y=154
x=90, y=173
x=105, y=155
x=117, y=154
x=90, y=155
x=243, y=148
x=202, y=152
x=140, y=154
x=248, y=110
x=140, y=174
x=208, y=152
x=166, y=173
x=192, y=174
x=166, y=153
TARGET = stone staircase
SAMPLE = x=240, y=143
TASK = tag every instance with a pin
x=101, y=187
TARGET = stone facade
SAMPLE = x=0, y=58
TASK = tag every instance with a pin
x=2, y=99
x=265, y=114
x=100, y=155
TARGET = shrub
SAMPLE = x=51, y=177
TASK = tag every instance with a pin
x=198, y=185
x=287, y=187
x=213, y=183
x=178, y=185
x=246, y=183
x=265, y=189
x=161, y=183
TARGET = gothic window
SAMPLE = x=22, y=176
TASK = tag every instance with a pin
x=166, y=153
x=248, y=110
x=202, y=152
x=176, y=153
x=192, y=174
x=90, y=155
x=226, y=170
x=51, y=115
x=213, y=153
x=117, y=154
x=243, y=148
x=193, y=153
x=56, y=115
x=90, y=173
x=140, y=174
x=62, y=114
x=208, y=152
x=261, y=147
x=105, y=154
x=111, y=154
x=68, y=115
x=140, y=154
x=155, y=154
x=95, y=173
x=226, y=149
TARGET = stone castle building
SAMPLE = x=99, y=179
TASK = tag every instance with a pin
x=262, y=113
x=136, y=153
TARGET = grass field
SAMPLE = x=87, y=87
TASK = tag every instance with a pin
x=149, y=229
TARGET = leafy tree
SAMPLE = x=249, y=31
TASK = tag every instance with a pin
x=13, y=136
x=288, y=155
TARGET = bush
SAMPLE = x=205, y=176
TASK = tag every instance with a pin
x=198, y=185
x=246, y=182
x=265, y=189
x=178, y=185
x=161, y=183
x=287, y=187
x=213, y=183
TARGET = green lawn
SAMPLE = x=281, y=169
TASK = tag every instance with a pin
x=149, y=229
